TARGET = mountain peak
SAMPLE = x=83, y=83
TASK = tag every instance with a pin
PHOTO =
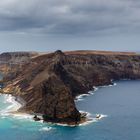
x=59, y=52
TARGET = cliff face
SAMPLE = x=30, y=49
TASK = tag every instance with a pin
x=49, y=83
x=12, y=62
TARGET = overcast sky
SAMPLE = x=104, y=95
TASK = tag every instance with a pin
x=47, y=25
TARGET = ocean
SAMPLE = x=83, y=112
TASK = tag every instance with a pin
x=118, y=104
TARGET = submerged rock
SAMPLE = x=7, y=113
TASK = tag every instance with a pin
x=36, y=118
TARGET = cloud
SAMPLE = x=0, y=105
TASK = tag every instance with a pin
x=86, y=17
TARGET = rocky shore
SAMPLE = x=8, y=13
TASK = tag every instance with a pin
x=49, y=83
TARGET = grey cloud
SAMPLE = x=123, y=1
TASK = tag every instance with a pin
x=68, y=16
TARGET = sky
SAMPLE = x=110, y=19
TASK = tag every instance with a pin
x=49, y=25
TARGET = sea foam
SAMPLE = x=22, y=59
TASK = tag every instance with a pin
x=92, y=118
x=45, y=129
x=92, y=92
x=12, y=107
x=81, y=97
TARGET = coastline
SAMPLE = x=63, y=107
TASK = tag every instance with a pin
x=64, y=76
x=85, y=116
x=17, y=103
x=92, y=92
x=85, y=120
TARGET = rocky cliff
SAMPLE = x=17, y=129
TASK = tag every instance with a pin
x=12, y=62
x=50, y=82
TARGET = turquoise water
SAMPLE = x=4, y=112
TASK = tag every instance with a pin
x=121, y=104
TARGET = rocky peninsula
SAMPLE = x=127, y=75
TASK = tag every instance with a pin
x=49, y=82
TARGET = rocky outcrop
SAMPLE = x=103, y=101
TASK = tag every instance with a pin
x=50, y=82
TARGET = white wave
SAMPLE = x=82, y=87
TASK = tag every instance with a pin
x=95, y=88
x=92, y=92
x=114, y=84
x=89, y=121
x=12, y=108
x=111, y=85
x=81, y=97
x=87, y=113
x=22, y=116
x=92, y=118
x=45, y=129
x=13, y=105
x=65, y=125
x=101, y=116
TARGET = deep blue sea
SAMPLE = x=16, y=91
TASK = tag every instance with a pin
x=120, y=106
